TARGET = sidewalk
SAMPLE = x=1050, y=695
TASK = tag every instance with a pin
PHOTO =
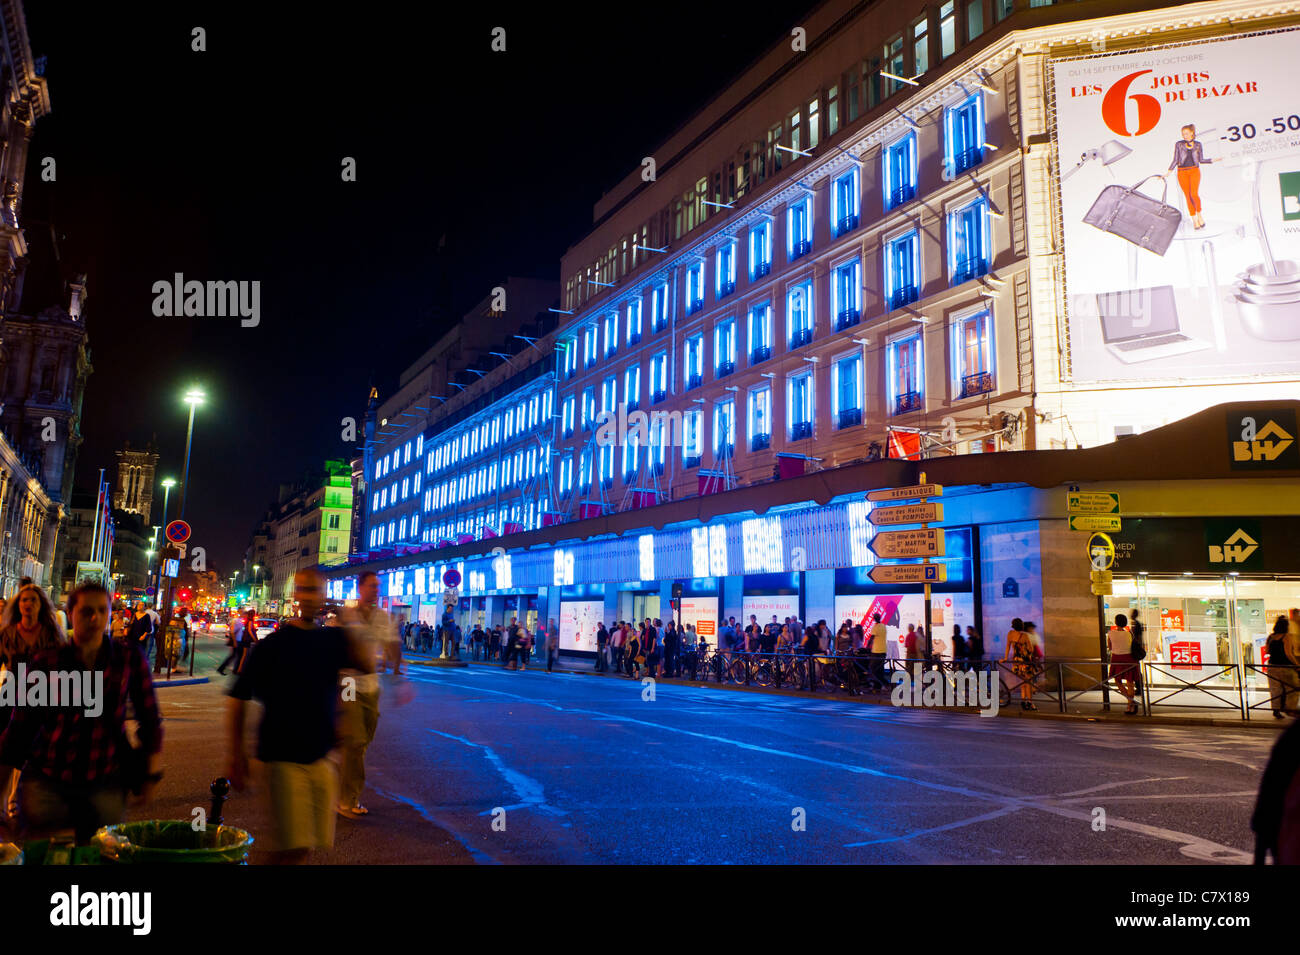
x=1086, y=707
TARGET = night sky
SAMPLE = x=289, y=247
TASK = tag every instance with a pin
x=225, y=165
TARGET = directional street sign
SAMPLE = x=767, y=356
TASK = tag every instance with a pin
x=1103, y=590
x=1094, y=522
x=1102, y=577
x=178, y=532
x=909, y=573
x=931, y=512
x=905, y=493
x=910, y=543
x=1092, y=502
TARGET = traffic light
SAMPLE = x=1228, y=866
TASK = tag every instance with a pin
x=184, y=594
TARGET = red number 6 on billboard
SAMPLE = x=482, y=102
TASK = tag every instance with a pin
x=1114, y=107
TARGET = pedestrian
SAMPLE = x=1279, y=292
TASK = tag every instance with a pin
x=691, y=650
x=727, y=638
x=752, y=632
x=553, y=643
x=184, y=633
x=295, y=674
x=1119, y=643
x=30, y=629
x=1138, y=651
x=879, y=650
x=912, y=644
x=78, y=768
x=525, y=646
x=633, y=654
x=671, y=648
x=602, y=645
x=958, y=648
x=249, y=639
x=809, y=645
x=1276, y=819
x=1020, y=651
x=974, y=648
x=141, y=630
x=1281, y=675
x=373, y=631
x=118, y=627
x=234, y=640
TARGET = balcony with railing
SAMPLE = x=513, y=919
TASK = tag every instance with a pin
x=904, y=295
x=968, y=269
x=908, y=401
x=724, y=368
x=848, y=417
x=847, y=223
x=694, y=381
x=759, y=354
x=800, y=430
x=725, y=289
x=979, y=383
x=800, y=248
x=658, y=396
x=724, y=451
x=901, y=194
x=694, y=306
x=691, y=461
x=965, y=159
x=634, y=338
x=847, y=318
x=800, y=337
x=760, y=441
x=762, y=269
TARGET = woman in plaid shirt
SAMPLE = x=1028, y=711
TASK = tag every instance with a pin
x=77, y=763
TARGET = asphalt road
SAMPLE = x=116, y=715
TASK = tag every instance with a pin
x=491, y=766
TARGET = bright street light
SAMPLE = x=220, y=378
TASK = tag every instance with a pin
x=194, y=397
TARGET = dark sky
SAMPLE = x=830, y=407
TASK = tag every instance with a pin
x=226, y=165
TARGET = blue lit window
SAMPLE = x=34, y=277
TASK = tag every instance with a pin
x=379, y=470
x=658, y=445
x=631, y=455
x=900, y=172
x=798, y=228
x=588, y=408
x=846, y=285
x=760, y=418
x=609, y=395
x=401, y=529
x=972, y=354
x=902, y=270
x=419, y=446
x=695, y=288
x=406, y=488
x=846, y=390
x=589, y=347
x=694, y=361
x=760, y=333
x=760, y=250
x=548, y=400
x=963, y=134
x=845, y=202
x=692, y=438
x=968, y=242
x=611, y=333
x=566, y=417
x=566, y=474
x=906, y=379
x=724, y=429
x=607, y=464
x=634, y=321
x=383, y=498
x=568, y=348
x=416, y=485
x=659, y=377
x=799, y=405
x=632, y=387
x=374, y=502
x=659, y=308
x=725, y=279
x=799, y=314
x=406, y=455
x=724, y=348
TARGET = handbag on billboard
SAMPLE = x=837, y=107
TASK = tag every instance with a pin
x=1147, y=222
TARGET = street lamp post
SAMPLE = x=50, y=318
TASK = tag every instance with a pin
x=194, y=397
x=167, y=485
x=257, y=587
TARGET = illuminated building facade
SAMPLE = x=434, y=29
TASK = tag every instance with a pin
x=894, y=237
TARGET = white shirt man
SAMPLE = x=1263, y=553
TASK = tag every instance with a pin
x=879, y=637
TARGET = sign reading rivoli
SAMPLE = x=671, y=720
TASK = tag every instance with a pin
x=1180, y=197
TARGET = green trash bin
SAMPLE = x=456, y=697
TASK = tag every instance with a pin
x=58, y=852
x=172, y=840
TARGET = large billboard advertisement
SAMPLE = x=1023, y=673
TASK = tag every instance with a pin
x=1180, y=192
x=579, y=620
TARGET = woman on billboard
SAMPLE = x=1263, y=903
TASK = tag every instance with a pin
x=1188, y=157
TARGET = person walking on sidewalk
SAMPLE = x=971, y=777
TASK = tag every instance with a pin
x=602, y=644
x=617, y=641
x=141, y=630
x=1138, y=651
x=1280, y=679
x=553, y=644
x=1022, y=652
x=234, y=640
x=375, y=632
x=295, y=674
x=511, y=659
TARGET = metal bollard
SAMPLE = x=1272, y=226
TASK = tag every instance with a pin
x=220, y=790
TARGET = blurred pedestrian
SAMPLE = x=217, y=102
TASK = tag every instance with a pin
x=374, y=631
x=140, y=631
x=1120, y=642
x=295, y=673
x=974, y=648
x=958, y=648
x=77, y=768
x=1280, y=679
x=1276, y=819
x=602, y=646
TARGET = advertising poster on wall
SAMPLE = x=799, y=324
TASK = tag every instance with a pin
x=703, y=613
x=578, y=622
x=1180, y=195
x=898, y=610
x=1191, y=655
x=763, y=606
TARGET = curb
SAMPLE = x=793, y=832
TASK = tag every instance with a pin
x=1007, y=712
x=188, y=681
